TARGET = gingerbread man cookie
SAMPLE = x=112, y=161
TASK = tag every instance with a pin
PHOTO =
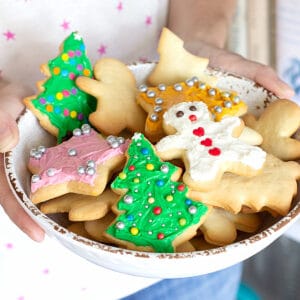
x=176, y=64
x=114, y=87
x=208, y=148
x=82, y=164
x=61, y=106
x=277, y=124
x=156, y=100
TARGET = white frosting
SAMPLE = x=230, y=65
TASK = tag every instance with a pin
x=204, y=166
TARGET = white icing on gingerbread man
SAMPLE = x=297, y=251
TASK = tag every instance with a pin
x=207, y=147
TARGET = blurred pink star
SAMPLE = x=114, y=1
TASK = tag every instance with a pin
x=120, y=6
x=65, y=25
x=148, y=20
x=9, y=245
x=143, y=59
x=9, y=35
x=102, y=49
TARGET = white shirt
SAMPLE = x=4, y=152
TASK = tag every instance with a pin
x=31, y=32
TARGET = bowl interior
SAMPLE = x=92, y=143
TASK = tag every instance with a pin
x=134, y=262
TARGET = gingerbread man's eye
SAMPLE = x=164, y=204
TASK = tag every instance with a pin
x=193, y=108
x=179, y=114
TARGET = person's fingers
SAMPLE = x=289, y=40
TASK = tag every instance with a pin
x=9, y=133
x=14, y=210
x=262, y=74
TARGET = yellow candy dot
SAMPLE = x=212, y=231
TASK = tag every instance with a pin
x=151, y=200
x=182, y=221
x=86, y=72
x=56, y=70
x=122, y=175
x=136, y=180
x=49, y=107
x=73, y=114
x=150, y=167
x=134, y=230
x=169, y=198
x=65, y=57
x=59, y=96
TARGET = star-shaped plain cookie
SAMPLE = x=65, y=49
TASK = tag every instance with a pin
x=277, y=125
x=114, y=87
x=176, y=64
x=272, y=190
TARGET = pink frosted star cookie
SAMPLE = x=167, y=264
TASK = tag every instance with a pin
x=82, y=165
x=207, y=148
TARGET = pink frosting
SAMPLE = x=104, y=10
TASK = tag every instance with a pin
x=90, y=146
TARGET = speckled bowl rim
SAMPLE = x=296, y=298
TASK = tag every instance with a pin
x=48, y=224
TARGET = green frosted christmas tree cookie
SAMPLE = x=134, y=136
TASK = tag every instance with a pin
x=154, y=212
x=61, y=106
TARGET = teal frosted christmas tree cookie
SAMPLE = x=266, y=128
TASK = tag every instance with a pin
x=154, y=212
x=61, y=106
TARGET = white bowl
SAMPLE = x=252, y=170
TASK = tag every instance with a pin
x=159, y=265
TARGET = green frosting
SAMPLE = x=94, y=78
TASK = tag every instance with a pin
x=155, y=210
x=65, y=105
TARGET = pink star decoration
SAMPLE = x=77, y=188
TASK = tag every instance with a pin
x=9, y=35
x=148, y=20
x=143, y=59
x=65, y=25
x=102, y=49
x=120, y=6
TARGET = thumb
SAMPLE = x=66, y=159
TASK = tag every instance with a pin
x=9, y=133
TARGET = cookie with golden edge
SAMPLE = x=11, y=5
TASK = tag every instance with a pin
x=96, y=228
x=271, y=190
x=176, y=64
x=78, y=228
x=277, y=124
x=220, y=227
x=156, y=100
x=81, y=207
x=114, y=87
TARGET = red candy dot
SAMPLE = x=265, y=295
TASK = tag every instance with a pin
x=66, y=112
x=207, y=142
x=198, y=131
x=157, y=210
x=72, y=76
x=66, y=93
x=160, y=236
x=192, y=118
x=180, y=187
x=131, y=168
x=214, y=151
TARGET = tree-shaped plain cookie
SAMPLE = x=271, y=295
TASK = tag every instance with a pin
x=272, y=190
x=176, y=64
